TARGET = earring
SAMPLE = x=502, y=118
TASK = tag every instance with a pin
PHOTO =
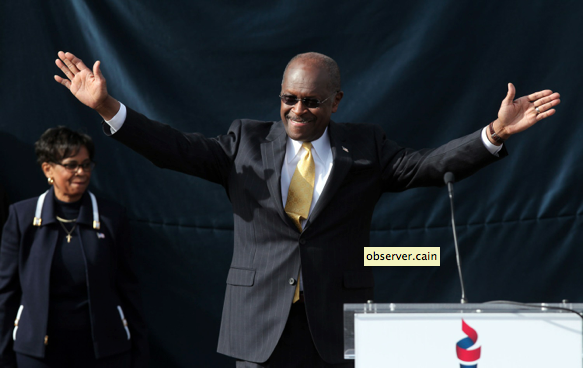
x=51, y=181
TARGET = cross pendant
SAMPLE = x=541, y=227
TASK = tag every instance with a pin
x=68, y=238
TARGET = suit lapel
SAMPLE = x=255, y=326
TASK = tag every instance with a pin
x=342, y=162
x=273, y=152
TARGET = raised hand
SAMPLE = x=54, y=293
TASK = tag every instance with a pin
x=516, y=115
x=86, y=85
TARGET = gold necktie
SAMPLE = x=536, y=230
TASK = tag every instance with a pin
x=300, y=195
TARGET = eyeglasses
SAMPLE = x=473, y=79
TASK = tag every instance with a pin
x=308, y=102
x=73, y=166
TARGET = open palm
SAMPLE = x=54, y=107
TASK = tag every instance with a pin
x=516, y=115
x=87, y=86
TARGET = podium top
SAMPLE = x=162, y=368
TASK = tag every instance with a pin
x=495, y=307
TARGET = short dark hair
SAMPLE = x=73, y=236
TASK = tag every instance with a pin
x=324, y=61
x=59, y=143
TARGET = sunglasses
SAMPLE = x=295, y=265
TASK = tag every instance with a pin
x=73, y=166
x=308, y=102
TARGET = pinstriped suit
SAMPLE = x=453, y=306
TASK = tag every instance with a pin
x=268, y=248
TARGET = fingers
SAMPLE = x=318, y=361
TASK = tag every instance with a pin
x=538, y=95
x=510, y=93
x=64, y=69
x=546, y=114
x=96, y=70
x=70, y=64
x=549, y=98
x=78, y=63
x=66, y=59
x=545, y=104
x=545, y=108
x=64, y=81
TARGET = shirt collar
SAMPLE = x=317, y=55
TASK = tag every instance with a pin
x=321, y=148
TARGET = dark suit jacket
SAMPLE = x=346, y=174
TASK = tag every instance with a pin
x=269, y=250
x=26, y=256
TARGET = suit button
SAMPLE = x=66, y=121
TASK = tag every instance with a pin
x=302, y=241
x=292, y=281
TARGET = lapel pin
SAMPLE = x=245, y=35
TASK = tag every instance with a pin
x=344, y=148
x=100, y=235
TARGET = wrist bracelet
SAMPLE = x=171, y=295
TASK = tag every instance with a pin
x=494, y=135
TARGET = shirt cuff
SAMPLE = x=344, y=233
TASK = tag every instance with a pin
x=493, y=149
x=118, y=120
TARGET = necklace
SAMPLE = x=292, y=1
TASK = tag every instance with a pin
x=66, y=220
x=61, y=221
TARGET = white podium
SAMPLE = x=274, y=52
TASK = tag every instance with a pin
x=463, y=335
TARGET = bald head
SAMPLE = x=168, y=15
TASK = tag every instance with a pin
x=323, y=62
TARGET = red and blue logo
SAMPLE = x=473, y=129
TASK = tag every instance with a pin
x=468, y=358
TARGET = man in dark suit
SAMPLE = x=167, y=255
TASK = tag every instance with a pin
x=292, y=270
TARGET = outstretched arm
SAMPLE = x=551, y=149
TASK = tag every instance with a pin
x=516, y=115
x=86, y=85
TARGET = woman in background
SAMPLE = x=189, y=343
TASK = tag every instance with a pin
x=68, y=295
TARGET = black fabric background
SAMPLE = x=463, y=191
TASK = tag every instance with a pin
x=427, y=71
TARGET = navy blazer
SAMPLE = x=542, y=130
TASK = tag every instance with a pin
x=26, y=256
x=268, y=248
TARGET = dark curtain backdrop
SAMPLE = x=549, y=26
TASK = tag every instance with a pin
x=427, y=71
